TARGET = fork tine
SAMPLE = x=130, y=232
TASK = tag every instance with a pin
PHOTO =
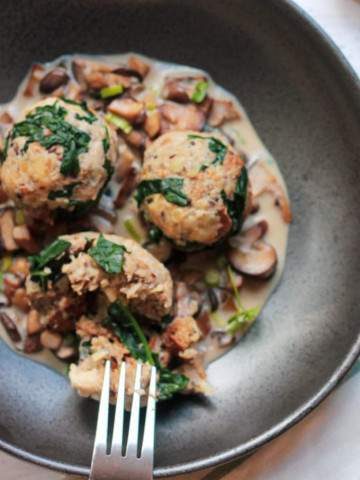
x=147, y=450
x=132, y=447
x=117, y=439
x=103, y=415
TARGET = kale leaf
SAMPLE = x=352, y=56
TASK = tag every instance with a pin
x=236, y=205
x=170, y=188
x=109, y=255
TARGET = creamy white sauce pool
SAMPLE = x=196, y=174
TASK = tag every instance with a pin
x=254, y=293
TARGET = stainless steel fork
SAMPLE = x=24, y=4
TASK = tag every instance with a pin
x=125, y=461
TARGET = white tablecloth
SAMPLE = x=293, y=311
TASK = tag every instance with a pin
x=327, y=443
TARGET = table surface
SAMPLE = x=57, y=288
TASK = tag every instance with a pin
x=327, y=443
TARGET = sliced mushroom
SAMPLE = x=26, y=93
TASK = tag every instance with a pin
x=253, y=256
x=222, y=111
x=7, y=224
x=24, y=239
x=136, y=138
x=181, y=117
x=32, y=344
x=53, y=80
x=66, y=352
x=96, y=75
x=262, y=180
x=3, y=196
x=127, y=186
x=6, y=118
x=10, y=326
x=34, y=79
x=180, y=89
x=153, y=123
x=128, y=108
x=138, y=65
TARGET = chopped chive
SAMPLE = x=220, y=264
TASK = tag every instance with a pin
x=112, y=91
x=119, y=122
x=19, y=217
x=132, y=230
x=6, y=263
x=200, y=91
x=212, y=277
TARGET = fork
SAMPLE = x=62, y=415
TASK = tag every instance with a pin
x=131, y=460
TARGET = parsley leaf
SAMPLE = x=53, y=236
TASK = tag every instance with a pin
x=236, y=205
x=109, y=255
x=170, y=188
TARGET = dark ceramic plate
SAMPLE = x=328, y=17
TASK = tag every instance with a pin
x=305, y=103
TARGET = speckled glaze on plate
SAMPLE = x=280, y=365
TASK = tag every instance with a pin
x=304, y=100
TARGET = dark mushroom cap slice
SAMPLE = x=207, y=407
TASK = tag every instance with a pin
x=253, y=256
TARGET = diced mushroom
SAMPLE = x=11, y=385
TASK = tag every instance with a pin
x=95, y=75
x=222, y=337
x=222, y=111
x=136, y=138
x=161, y=250
x=181, y=89
x=66, y=352
x=6, y=118
x=33, y=324
x=127, y=162
x=10, y=327
x=138, y=65
x=181, y=117
x=262, y=180
x=24, y=239
x=6, y=230
x=187, y=301
x=32, y=344
x=152, y=123
x=253, y=256
x=21, y=300
x=34, y=79
x=126, y=188
x=128, y=108
x=53, y=80
x=50, y=340
x=3, y=196
x=20, y=267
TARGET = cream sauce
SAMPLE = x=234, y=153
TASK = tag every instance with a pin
x=254, y=293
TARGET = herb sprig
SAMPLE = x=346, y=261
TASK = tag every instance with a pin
x=242, y=318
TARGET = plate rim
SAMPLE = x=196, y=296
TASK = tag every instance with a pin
x=333, y=55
